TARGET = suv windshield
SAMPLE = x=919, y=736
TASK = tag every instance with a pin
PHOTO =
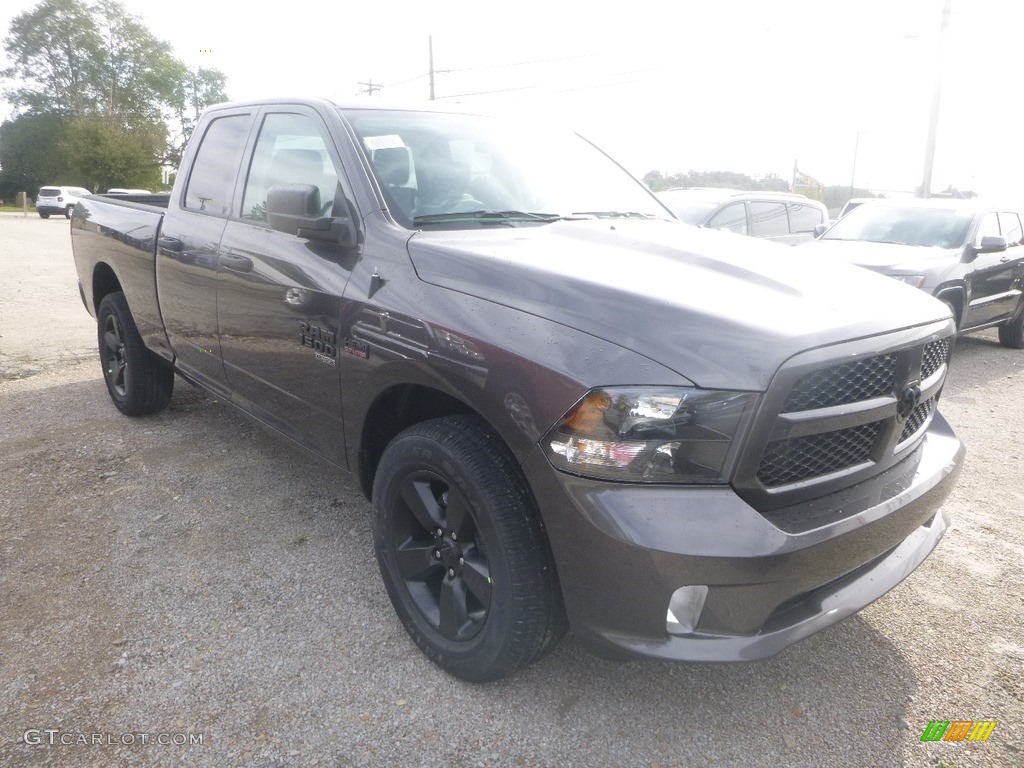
x=49, y=192
x=433, y=166
x=691, y=206
x=906, y=225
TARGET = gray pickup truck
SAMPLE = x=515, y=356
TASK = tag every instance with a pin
x=568, y=408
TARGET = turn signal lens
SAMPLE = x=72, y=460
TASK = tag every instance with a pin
x=652, y=435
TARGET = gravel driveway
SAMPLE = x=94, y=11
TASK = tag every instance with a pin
x=187, y=578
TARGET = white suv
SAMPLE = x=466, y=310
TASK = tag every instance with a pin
x=60, y=200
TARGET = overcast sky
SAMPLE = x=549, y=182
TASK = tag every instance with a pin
x=745, y=85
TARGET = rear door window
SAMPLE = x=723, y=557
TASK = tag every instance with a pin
x=768, y=219
x=1010, y=225
x=216, y=165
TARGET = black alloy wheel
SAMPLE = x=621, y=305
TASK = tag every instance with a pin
x=114, y=362
x=137, y=381
x=439, y=556
x=462, y=550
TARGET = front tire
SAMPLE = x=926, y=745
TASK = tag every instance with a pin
x=462, y=550
x=137, y=382
x=1011, y=334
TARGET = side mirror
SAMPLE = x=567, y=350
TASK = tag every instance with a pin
x=295, y=209
x=991, y=244
x=819, y=230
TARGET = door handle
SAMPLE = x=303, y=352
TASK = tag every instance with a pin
x=1004, y=259
x=172, y=244
x=236, y=263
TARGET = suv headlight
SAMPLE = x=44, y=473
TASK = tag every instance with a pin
x=649, y=434
x=915, y=280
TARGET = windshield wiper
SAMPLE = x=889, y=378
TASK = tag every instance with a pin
x=494, y=217
x=615, y=214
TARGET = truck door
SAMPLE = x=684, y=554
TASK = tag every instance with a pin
x=279, y=295
x=186, y=263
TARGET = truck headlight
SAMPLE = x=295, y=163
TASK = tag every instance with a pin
x=649, y=434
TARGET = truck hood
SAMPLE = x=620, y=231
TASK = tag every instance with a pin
x=881, y=257
x=723, y=310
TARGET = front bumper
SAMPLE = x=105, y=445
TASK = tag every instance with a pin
x=622, y=550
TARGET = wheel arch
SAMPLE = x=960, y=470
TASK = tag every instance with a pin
x=104, y=282
x=956, y=296
x=395, y=409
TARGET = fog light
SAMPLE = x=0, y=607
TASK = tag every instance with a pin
x=684, y=609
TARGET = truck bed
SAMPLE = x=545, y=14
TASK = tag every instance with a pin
x=121, y=229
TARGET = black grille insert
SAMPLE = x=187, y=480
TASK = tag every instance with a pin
x=844, y=383
x=935, y=355
x=800, y=458
x=918, y=418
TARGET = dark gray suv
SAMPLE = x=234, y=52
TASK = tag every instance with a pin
x=968, y=254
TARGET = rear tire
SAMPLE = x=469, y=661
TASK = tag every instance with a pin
x=1011, y=334
x=462, y=550
x=43, y=215
x=137, y=382
x=68, y=211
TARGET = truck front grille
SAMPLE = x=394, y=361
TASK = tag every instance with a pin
x=918, y=418
x=796, y=459
x=836, y=416
x=844, y=383
x=935, y=355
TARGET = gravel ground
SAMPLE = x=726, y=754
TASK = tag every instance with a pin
x=186, y=575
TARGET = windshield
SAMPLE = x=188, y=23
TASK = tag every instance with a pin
x=909, y=225
x=431, y=166
x=688, y=208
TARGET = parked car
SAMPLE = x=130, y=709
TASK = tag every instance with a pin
x=58, y=200
x=968, y=254
x=778, y=216
x=123, y=191
x=565, y=405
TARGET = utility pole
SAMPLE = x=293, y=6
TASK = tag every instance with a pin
x=430, y=48
x=933, y=122
x=853, y=173
x=370, y=87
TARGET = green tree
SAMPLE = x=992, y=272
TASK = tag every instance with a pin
x=32, y=154
x=108, y=77
x=658, y=181
x=195, y=89
x=108, y=154
x=55, y=50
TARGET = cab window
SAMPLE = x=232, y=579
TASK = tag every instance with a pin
x=290, y=150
